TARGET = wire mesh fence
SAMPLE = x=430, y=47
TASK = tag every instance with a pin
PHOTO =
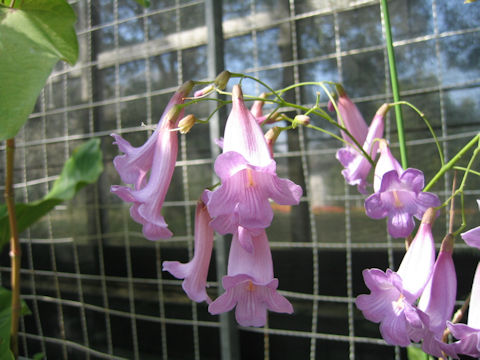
x=94, y=283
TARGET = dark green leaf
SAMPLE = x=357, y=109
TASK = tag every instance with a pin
x=82, y=168
x=5, y=319
x=33, y=37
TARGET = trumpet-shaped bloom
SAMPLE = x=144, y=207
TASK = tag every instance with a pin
x=469, y=334
x=393, y=293
x=248, y=176
x=400, y=196
x=356, y=165
x=250, y=285
x=438, y=300
x=472, y=237
x=350, y=118
x=156, y=158
x=195, y=272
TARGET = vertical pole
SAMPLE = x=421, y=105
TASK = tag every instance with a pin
x=213, y=17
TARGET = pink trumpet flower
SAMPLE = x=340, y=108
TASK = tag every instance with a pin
x=156, y=158
x=469, y=334
x=248, y=176
x=472, y=237
x=399, y=195
x=356, y=165
x=350, y=118
x=195, y=272
x=250, y=285
x=393, y=293
x=438, y=300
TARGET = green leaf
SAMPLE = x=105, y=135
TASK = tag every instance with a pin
x=5, y=320
x=82, y=168
x=34, y=35
x=144, y=3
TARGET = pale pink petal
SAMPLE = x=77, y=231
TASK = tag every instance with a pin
x=438, y=298
x=195, y=272
x=243, y=134
x=417, y=264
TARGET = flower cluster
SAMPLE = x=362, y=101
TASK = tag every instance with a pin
x=412, y=304
x=398, y=193
x=239, y=206
x=416, y=302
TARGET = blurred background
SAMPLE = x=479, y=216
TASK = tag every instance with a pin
x=94, y=283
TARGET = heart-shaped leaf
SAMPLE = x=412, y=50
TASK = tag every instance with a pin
x=34, y=35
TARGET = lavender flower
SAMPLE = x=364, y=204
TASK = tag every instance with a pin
x=472, y=237
x=157, y=158
x=469, y=334
x=195, y=272
x=248, y=176
x=438, y=300
x=393, y=293
x=250, y=285
x=356, y=165
x=350, y=118
x=399, y=195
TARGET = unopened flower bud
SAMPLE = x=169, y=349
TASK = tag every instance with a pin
x=257, y=107
x=222, y=79
x=205, y=91
x=186, y=123
x=270, y=118
x=301, y=119
x=271, y=136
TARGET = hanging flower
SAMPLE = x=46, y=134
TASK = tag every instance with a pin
x=156, y=158
x=248, y=176
x=438, y=300
x=399, y=195
x=393, y=293
x=356, y=165
x=350, y=118
x=250, y=285
x=469, y=334
x=195, y=272
x=472, y=237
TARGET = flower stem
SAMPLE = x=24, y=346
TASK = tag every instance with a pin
x=14, y=247
x=452, y=162
x=394, y=81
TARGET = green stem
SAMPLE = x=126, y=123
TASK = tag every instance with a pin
x=452, y=162
x=14, y=247
x=422, y=115
x=394, y=81
x=460, y=168
x=462, y=185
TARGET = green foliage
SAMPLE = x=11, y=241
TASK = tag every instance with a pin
x=144, y=3
x=34, y=35
x=5, y=319
x=415, y=353
x=82, y=168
